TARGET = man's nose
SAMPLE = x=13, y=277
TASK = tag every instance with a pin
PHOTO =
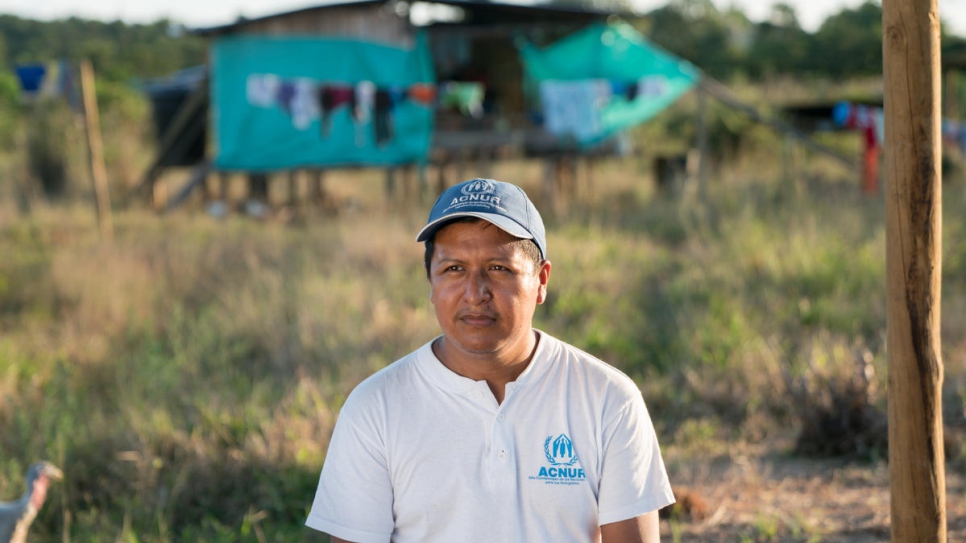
x=477, y=287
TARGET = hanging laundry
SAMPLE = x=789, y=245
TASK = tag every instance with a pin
x=383, y=116
x=645, y=87
x=285, y=95
x=878, y=125
x=330, y=98
x=365, y=100
x=572, y=108
x=305, y=100
x=423, y=93
x=860, y=117
x=304, y=90
x=954, y=132
x=624, y=89
x=304, y=106
x=466, y=96
x=66, y=87
x=31, y=77
x=49, y=80
x=871, y=122
x=652, y=86
x=262, y=89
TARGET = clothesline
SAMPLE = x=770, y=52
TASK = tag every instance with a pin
x=574, y=108
x=306, y=100
x=871, y=120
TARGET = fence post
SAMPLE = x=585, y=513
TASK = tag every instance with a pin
x=913, y=203
x=102, y=200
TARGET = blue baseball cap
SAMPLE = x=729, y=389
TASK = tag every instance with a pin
x=503, y=204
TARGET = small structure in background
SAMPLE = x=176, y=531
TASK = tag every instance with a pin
x=862, y=116
x=390, y=69
x=17, y=516
x=168, y=97
x=865, y=115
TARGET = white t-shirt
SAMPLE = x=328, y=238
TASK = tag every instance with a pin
x=421, y=454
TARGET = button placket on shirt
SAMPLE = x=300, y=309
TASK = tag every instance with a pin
x=499, y=463
x=503, y=465
x=503, y=436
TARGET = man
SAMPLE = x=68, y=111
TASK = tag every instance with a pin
x=493, y=431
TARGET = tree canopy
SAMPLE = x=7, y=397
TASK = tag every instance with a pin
x=118, y=51
x=724, y=44
x=727, y=44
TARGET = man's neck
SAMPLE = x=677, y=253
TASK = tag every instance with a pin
x=497, y=369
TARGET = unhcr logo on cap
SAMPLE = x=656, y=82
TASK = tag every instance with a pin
x=479, y=186
x=477, y=192
x=498, y=202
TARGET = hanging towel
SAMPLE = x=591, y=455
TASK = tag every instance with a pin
x=466, y=96
x=330, y=98
x=572, y=108
x=261, y=89
x=422, y=93
x=365, y=100
x=285, y=95
x=383, y=116
x=304, y=108
x=31, y=77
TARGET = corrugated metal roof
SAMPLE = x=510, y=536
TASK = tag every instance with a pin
x=492, y=9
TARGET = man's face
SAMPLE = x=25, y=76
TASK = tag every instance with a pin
x=485, y=290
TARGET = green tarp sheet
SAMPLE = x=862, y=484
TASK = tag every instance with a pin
x=604, y=79
x=289, y=102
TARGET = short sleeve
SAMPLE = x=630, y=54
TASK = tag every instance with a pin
x=633, y=479
x=354, y=497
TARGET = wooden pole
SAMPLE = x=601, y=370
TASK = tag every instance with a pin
x=913, y=202
x=702, y=136
x=98, y=173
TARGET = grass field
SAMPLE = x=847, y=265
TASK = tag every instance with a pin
x=186, y=376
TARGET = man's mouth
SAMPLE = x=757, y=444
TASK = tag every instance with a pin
x=477, y=319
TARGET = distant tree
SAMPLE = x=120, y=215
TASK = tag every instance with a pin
x=849, y=43
x=783, y=16
x=609, y=5
x=740, y=31
x=119, y=51
x=695, y=9
x=693, y=30
x=780, y=47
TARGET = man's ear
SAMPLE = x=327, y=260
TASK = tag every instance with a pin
x=543, y=274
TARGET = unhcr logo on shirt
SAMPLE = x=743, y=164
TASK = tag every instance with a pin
x=563, y=451
x=563, y=468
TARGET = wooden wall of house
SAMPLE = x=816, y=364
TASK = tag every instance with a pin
x=372, y=22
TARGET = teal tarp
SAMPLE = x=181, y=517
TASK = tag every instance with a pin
x=304, y=101
x=620, y=56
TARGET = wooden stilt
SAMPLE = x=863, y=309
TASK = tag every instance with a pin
x=98, y=172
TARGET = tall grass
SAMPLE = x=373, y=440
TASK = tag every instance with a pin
x=188, y=375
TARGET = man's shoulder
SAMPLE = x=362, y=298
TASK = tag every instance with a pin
x=558, y=348
x=399, y=375
x=571, y=358
x=401, y=368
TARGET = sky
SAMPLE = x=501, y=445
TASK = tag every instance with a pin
x=206, y=13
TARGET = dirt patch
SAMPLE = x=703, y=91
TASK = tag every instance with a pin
x=793, y=500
